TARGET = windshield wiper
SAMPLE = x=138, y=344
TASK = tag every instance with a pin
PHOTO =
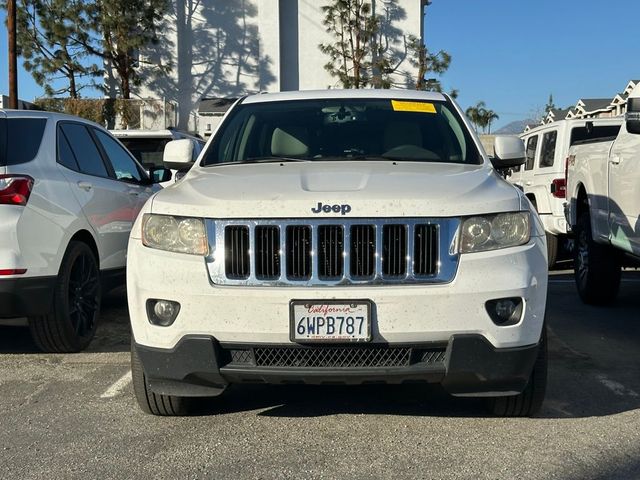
x=274, y=159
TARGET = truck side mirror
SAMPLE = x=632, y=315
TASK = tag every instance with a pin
x=508, y=152
x=633, y=116
x=178, y=154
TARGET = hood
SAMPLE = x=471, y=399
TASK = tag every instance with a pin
x=354, y=189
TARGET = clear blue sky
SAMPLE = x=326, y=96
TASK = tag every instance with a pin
x=512, y=53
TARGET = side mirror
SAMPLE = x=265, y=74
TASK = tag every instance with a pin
x=633, y=116
x=159, y=174
x=508, y=152
x=178, y=154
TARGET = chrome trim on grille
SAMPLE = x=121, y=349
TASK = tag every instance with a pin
x=447, y=255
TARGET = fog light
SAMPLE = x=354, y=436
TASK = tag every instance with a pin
x=162, y=312
x=505, y=311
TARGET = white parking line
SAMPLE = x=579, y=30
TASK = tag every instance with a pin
x=118, y=386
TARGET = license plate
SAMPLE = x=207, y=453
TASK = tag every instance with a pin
x=330, y=320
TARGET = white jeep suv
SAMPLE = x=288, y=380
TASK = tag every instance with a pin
x=340, y=237
x=69, y=194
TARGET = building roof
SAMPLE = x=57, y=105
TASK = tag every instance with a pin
x=595, y=104
x=559, y=113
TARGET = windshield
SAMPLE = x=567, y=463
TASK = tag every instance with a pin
x=343, y=129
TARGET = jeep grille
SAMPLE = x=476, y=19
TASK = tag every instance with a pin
x=332, y=251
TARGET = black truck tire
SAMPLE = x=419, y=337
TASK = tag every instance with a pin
x=597, y=268
x=552, y=249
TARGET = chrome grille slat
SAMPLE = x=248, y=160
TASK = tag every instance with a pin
x=332, y=251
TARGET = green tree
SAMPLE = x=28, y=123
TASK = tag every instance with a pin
x=118, y=30
x=476, y=114
x=489, y=117
x=550, y=105
x=354, y=27
x=45, y=37
x=428, y=63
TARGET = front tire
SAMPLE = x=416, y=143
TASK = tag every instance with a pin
x=527, y=403
x=71, y=325
x=597, y=268
x=552, y=249
x=154, y=403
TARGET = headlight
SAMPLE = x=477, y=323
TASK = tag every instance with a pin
x=491, y=232
x=175, y=234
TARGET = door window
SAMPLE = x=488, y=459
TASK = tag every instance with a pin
x=65, y=154
x=532, y=143
x=548, y=149
x=123, y=165
x=84, y=149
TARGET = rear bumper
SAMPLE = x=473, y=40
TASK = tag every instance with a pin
x=25, y=297
x=468, y=365
x=555, y=224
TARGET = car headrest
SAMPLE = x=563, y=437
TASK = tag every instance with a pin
x=290, y=141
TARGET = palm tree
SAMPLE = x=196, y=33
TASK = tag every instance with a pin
x=489, y=117
x=475, y=114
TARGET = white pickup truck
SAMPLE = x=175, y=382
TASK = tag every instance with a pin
x=603, y=208
x=347, y=237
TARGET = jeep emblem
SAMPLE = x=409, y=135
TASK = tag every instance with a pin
x=341, y=209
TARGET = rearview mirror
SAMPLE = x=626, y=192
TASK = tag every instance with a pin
x=508, y=152
x=633, y=116
x=178, y=154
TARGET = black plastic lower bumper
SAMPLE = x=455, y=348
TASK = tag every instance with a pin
x=467, y=365
x=25, y=297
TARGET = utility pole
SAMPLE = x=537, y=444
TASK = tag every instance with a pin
x=13, y=58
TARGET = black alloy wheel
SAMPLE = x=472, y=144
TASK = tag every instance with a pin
x=72, y=323
x=83, y=302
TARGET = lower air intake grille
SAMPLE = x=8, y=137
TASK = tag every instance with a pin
x=333, y=357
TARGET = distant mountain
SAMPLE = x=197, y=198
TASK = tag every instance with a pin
x=516, y=127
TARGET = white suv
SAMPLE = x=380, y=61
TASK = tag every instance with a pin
x=340, y=236
x=69, y=194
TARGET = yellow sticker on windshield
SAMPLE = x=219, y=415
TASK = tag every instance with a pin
x=403, y=106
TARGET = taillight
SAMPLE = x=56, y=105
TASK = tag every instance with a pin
x=13, y=271
x=15, y=189
x=559, y=188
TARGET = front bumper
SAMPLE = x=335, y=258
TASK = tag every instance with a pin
x=401, y=314
x=468, y=365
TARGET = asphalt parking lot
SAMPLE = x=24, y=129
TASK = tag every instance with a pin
x=74, y=416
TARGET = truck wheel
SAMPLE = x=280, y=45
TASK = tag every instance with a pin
x=71, y=325
x=527, y=403
x=597, y=268
x=154, y=403
x=552, y=249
